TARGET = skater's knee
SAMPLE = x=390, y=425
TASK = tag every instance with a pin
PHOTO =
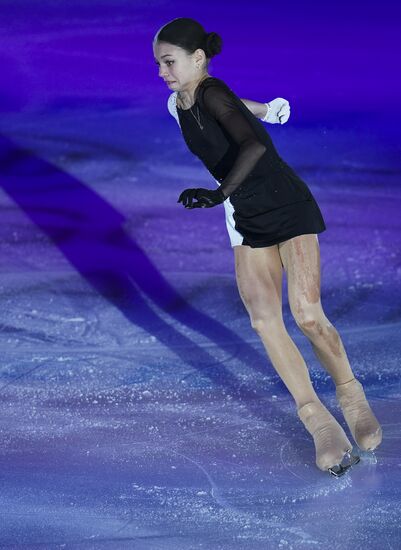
x=310, y=320
x=266, y=324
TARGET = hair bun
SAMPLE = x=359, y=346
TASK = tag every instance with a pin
x=189, y=35
x=213, y=44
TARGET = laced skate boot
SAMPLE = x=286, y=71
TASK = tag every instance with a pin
x=331, y=443
x=359, y=416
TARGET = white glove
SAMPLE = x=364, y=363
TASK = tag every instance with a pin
x=278, y=111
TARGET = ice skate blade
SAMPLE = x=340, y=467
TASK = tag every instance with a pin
x=340, y=469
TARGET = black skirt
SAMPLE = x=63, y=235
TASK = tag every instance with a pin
x=266, y=228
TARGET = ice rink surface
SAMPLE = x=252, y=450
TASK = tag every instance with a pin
x=138, y=406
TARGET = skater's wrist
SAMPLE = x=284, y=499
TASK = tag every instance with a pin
x=265, y=111
x=257, y=108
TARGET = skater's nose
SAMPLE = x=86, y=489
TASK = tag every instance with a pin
x=163, y=72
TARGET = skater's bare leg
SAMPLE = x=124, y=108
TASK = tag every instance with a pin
x=259, y=273
x=301, y=260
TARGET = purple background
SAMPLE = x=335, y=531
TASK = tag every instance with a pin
x=138, y=408
x=338, y=58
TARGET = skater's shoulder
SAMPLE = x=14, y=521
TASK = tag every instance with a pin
x=214, y=89
x=213, y=82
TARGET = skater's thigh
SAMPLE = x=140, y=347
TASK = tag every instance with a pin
x=301, y=260
x=259, y=275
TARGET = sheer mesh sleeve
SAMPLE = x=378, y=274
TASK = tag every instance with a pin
x=222, y=106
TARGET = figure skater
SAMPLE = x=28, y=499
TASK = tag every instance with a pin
x=273, y=220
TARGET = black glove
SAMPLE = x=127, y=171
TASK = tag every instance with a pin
x=206, y=197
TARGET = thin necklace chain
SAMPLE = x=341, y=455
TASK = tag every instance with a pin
x=196, y=117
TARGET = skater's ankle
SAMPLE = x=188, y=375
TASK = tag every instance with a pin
x=300, y=404
x=343, y=383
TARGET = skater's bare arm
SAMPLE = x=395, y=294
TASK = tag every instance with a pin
x=256, y=108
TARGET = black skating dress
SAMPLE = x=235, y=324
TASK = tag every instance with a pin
x=267, y=202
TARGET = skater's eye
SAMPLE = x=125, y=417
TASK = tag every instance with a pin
x=167, y=62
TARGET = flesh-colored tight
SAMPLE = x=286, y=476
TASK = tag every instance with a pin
x=259, y=273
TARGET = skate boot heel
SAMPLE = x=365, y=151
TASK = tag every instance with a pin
x=349, y=460
x=333, y=448
x=360, y=418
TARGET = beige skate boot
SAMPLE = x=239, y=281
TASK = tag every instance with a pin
x=359, y=416
x=331, y=443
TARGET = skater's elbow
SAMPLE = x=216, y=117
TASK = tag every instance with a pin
x=254, y=146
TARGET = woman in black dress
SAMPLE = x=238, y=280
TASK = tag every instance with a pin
x=274, y=225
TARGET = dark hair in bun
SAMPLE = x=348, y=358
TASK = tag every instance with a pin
x=213, y=44
x=190, y=35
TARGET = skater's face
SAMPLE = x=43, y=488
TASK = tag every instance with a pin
x=176, y=67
